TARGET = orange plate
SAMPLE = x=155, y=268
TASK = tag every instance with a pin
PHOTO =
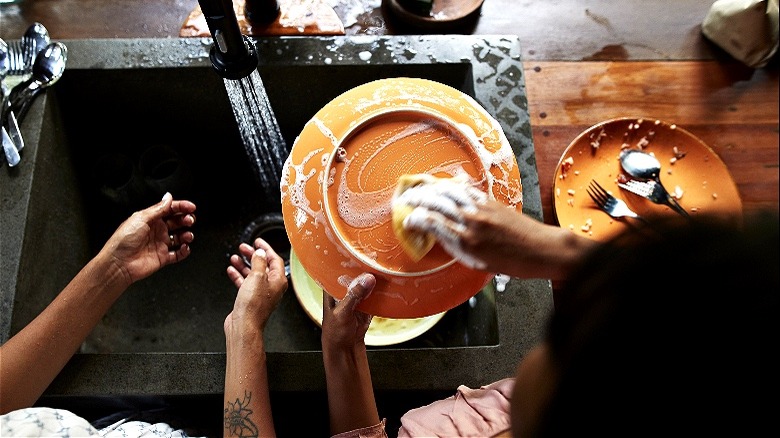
x=343, y=168
x=705, y=182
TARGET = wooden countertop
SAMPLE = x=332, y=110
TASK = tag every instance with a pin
x=585, y=61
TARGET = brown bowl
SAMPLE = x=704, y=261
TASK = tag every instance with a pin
x=446, y=15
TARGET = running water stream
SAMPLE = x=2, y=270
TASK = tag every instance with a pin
x=263, y=141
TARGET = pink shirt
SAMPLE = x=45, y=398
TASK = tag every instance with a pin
x=482, y=412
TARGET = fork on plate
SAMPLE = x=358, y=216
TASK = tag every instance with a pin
x=611, y=205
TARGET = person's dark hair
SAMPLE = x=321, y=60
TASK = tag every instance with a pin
x=669, y=331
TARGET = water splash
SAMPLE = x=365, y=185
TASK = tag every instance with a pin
x=263, y=140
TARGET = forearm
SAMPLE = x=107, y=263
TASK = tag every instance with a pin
x=548, y=252
x=351, y=402
x=247, y=400
x=32, y=358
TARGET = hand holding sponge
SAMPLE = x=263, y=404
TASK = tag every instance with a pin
x=427, y=209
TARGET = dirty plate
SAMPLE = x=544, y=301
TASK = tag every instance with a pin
x=382, y=331
x=688, y=166
x=343, y=168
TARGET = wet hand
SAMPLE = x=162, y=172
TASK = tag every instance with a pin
x=487, y=235
x=343, y=326
x=152, y=238
x=260, y=284
x=443, y=210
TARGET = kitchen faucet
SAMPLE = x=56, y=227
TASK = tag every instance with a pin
x=233, y=55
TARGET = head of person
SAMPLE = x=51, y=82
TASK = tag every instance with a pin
x=664, y=330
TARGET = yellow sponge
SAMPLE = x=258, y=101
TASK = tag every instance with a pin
x=414, y=243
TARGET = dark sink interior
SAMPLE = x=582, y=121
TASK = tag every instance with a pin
x=129, y=135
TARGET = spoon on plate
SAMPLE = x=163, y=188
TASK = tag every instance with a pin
x=645, y=167
x=640, y=165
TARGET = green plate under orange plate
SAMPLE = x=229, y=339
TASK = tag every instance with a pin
x=382, y=331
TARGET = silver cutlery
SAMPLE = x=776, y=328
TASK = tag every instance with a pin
x=611, y=205
x=16, y=58
x=12, y=141
x=9, y=149
x=640, y=164
x=646, y=168
x=35, y=63
x=4, y=62
x=655, y=192
x=47, y=70
x=13, y=130
x=35, y=39
x=5, y=138
x=22, y=52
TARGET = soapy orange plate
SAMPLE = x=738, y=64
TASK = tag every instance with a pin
x=688, y=167
x=343, y=168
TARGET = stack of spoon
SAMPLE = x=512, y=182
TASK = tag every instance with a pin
x=35, y=63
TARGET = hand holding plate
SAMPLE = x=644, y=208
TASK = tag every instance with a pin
x=343, y=326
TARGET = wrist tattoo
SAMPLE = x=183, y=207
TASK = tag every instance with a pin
x=237, y=421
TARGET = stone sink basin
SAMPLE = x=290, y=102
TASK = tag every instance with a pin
x=132, y=118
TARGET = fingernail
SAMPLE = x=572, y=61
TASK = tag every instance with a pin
x=368, y=283
x=260, y=252
x=167, y=195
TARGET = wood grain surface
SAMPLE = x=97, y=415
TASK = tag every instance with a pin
x=731, y=108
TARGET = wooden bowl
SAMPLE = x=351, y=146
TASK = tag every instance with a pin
x=445, y=15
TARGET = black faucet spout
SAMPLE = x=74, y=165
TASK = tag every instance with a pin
x=233, y=55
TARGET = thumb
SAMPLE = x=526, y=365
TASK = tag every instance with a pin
x=164, y=206
x=259, y=260
x=357, y=291
x=166, y=201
